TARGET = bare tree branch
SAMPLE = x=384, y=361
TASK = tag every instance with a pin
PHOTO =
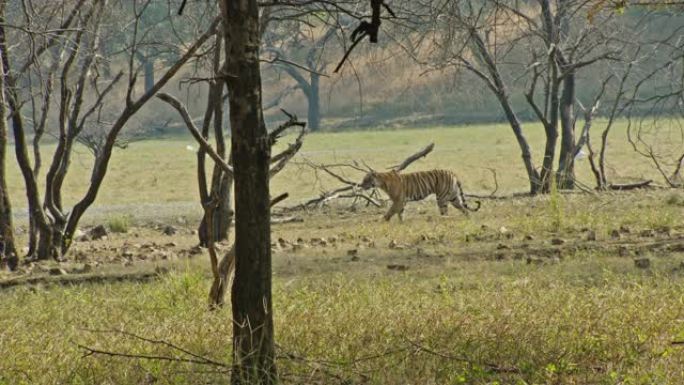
x=412, y=158
x=175, y=103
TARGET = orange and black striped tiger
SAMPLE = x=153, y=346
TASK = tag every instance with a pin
x=416, y=186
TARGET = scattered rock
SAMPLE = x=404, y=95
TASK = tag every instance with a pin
x=80, y=256
x=420, y=253
x=196, y=250
x=85, y=268
x=355, y=258
x=679, y=268
x=615, y=234
x=591, y=235
x=297, y=247
x=353, y=252
x=98, y=232
x=557, y=241
x=664, y=230
x=366, y=239
x=169, y=230
x=642, y=263
x=623, y=251
x=398, y=267
x=528, y=237
x=501, y=246
x=534, y=261
x=57, y=271
x=171, y=244
x=79, y=233
x=504, y=232
x=625, y=230
x=648, y=233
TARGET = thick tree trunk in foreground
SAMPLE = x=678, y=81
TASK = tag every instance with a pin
x=253, y=342
x=566, y=165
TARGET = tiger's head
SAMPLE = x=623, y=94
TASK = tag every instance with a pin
x=370, y=180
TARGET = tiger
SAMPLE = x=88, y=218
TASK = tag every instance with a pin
x=416, y=186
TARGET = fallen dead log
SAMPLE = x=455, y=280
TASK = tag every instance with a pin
x=78, y=279
x=630, y=186
x=280, y=221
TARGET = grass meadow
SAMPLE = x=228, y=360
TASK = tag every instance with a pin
x=540, y=290
x=164, y=171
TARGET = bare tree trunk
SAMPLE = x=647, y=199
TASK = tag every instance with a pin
x=566, y=165
x=551, y=130
x=223, y=215
x=253, y=339
x=496, y=84
x=221, y=182
x=99, y=170
x=8, y=252
x=314, y=116
x=21, y=151
x=526, y=153
x=148, y=67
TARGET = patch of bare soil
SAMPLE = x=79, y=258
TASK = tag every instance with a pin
x=98, y=255
x=144, y=253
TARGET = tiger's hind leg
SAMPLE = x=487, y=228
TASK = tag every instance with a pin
x=458, y=203
x=443, y=207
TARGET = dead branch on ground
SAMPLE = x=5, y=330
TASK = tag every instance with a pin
x=351, y=189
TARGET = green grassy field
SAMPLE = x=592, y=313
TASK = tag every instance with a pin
x=164, y=171
x=539, y=290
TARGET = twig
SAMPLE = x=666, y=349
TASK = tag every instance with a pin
x=93, y=351
x=490, y=366
x=412, y=158
x=291, y=122
x=198, y=359
x=279, y=199
x=330, y=172
x=360, y=195
x=496, y=181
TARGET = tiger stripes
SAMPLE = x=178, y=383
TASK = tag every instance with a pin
x=415, y=186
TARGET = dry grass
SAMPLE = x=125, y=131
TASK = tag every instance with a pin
x=467, y=309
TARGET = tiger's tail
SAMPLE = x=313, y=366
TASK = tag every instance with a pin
x=460, y=191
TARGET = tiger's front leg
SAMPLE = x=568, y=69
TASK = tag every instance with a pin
x=396, y=208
